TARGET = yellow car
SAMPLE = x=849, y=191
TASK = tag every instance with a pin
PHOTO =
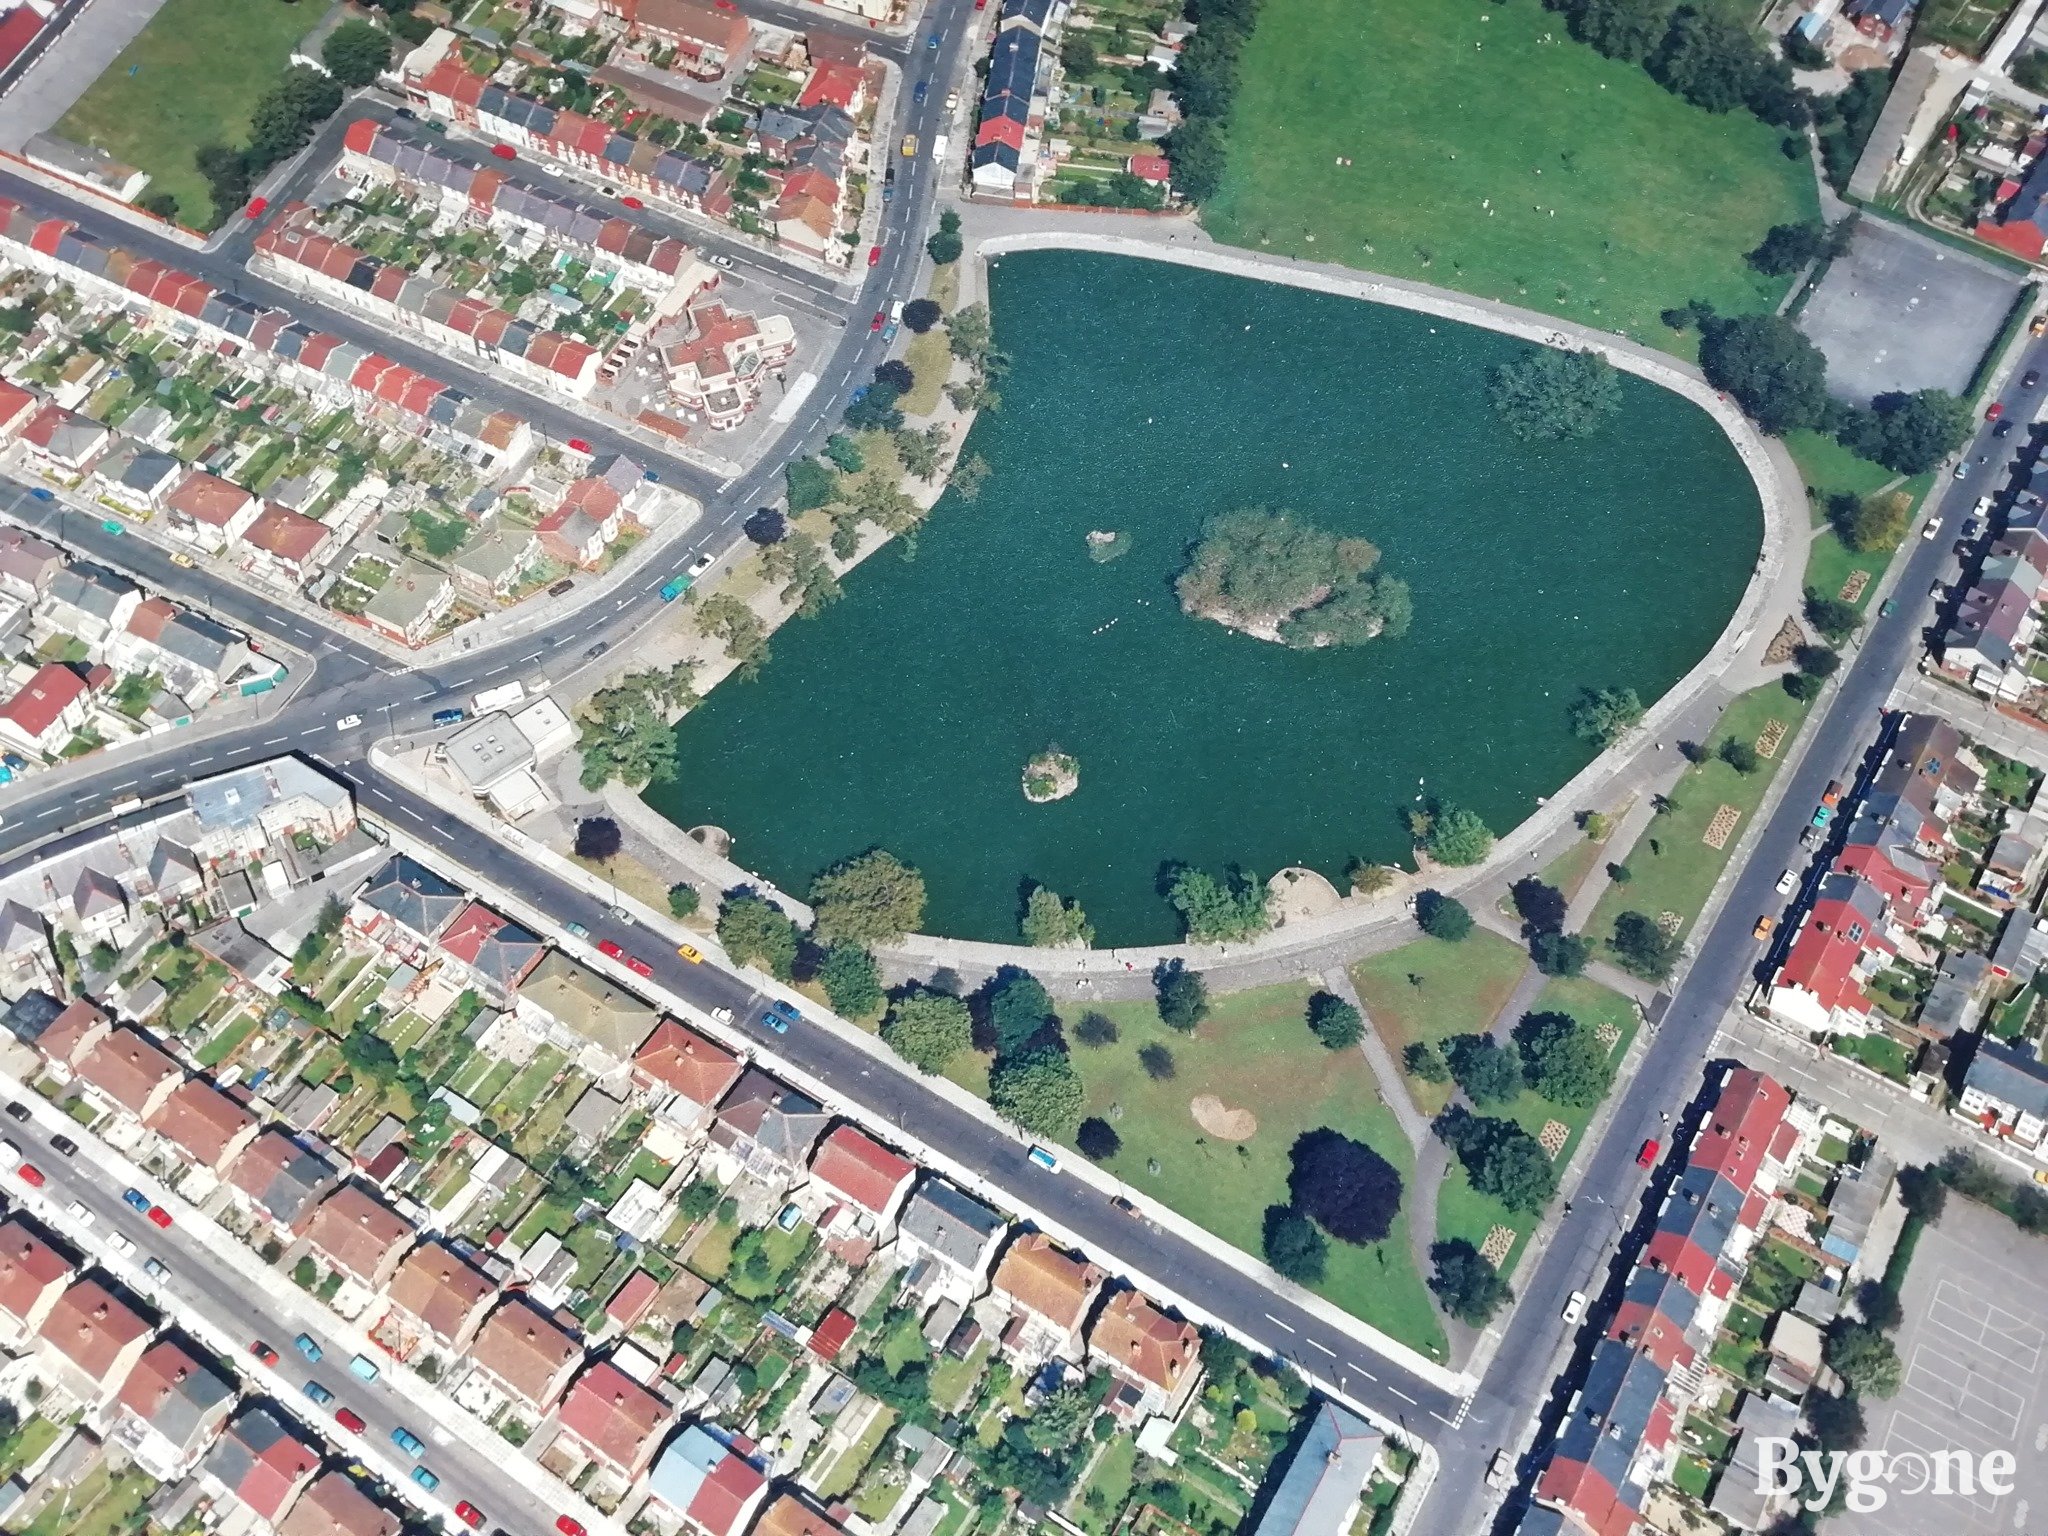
x=179, y=557
x=690, y=953
x=1763, y=927
x=910, y=146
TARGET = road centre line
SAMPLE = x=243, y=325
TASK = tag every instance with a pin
x=1272, y=1319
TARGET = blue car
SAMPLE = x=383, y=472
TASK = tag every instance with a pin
x=932, y=43
x=780, y=1016
x=425, y=1479
x=135, y=1200
x=308, y=1346
x=918, y=94
x=318, y=1393
x=408, y=1442
x=40, y=494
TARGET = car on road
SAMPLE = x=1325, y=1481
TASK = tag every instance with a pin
x=408, y=1442
x=2003, y=429
x=720, y=260
x=469, y=1514
x=773, y=1018
x=1971, y=528
x=1787, y=881
x=1045, y=1158
x=909, y=146
x=1832, y=795
x=691, y=953
x=1763, y=927
x=424, y=1478
x=569, y=1525
x=578, y=445
x=156, y=1269
x=318, y=1393
x=1822, y=815
x=2038, y=325
x=1930, y=528
x=631, y=201
x=1963, y=470
x=1500, y=1472
x=1574, y=1307
x=348, y=722
x=135, y=1200
x=560, y=587
x=450, y=716
x=611, y=949
x=309, y=1346
x=1887, y=608
x=2031, y=378
x=183, y=561
x=621, y=915
x=258, y=206
x=874, y=255
x=889, y=331
x=79, y=1213
x=578, y=929
x=16, y=1110
x=875, y=325
x=364, y=1367
x=931, y=44
x=638, y=966
x=40, y=494
x=158, y=1216
x=350, y=1420
x=1808, y=835
x=121, y=1243
x=31, y=1175
x=919, y=91
x=108, y=525
x=263, y=1352
x=1994, y=410
x=597, y=650
x=1122, y=1206
x=1646, y=1155
x=504, y=151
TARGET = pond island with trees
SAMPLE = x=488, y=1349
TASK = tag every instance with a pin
x=1271, y=575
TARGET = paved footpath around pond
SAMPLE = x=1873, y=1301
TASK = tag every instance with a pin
x=1640, y=762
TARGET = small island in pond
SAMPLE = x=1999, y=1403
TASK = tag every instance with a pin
x=1052, y=775
x=1274, y=577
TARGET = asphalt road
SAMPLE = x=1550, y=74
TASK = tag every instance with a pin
x=212, y=1293
x=1616, y=1194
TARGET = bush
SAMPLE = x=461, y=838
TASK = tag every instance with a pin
x=1425, y=1061
x=683, y=900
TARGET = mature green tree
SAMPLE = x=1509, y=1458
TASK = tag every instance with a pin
x=1255, y=567
x=1489, y=1074
x=1197, y=150
x=2030, y=69
x=285, y=116
x=754, y=932
x=1739, y=755
x=228, y=177
x=1049, y=922
x=1768, y=366
x=1457, y=837
x=920, y=315
x=1294, y=1245
x=1621, y=29
x=851, y=979
x=896, y=371
x=1335, y=1022
x=1874, y=523
x=1158, y=1062
x=356, y=53
x=970, y=334
x=1425, y=1062
x=1864, y=1358
x=1835, y=1419
x=1442, y=917
x=1019, y=1010
x=1560, y=954
x=1039, y=1090
x=1603, y=715
x=928, y=1029
x=845, y=453
x=1077, y=54
x=798, y=563
x=923, y=452
x=1213, y=910
x=1500, y=1158
x=871, y=898
x=1183, y=998
x=1469, y=1288
x=1541, y=907
x=944, y=247
x=1349, y=1190
x=1923, y=1192
x=1910, y=434
x=598, y=837
x=683, y=899
x=1835, y=619
x=1790, y=247
x=1549, y=395
x=811, y=485
x=623, y=731
x=1642, y=948
x=1708, y=57
x=1564, y=1059
x=724, y=617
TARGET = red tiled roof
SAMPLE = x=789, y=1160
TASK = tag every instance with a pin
x=678, y=1057
x=17, y=31
x=201, y=1121
x=91, y=1327
x=1746, y=1113
x=207, y=498
x=29, y=1269
x=831, y=1334
x=860, y=1168
x=1145, y=1341
x=837, y=84
x=286, y=534
x=44, y=697
x=613, y=1415
x=128, y=1068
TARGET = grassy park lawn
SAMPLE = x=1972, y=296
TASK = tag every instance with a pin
x=1430, y=990
x=931, y=358
x=1464, y=129
x=1461, y=1210
x=1254, y=1052
x=1829, y=469
x=191, y=78
x=1672, y=869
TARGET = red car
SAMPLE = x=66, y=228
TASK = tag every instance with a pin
x=350, y=1420
x=469, y=1514
x=1647, y=1157
x=612, y=948
x=631, y=201
x=258, y=206
x=578, y=445
x=638, y=966
x=569, y=1525
x=504, y=151
x=263, y=1352
x=31, y=1175
x=876, y=324
x=1995, y=410
x=159, y=1216
x=874, y=255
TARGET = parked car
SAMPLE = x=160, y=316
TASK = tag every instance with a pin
x=1995, y=410
x=158, y=1216
x=350, y=1420
x=2031, y=378
x=318, y=1393
x=469, y=1514
x=365, y=1367
x=425, y=1479
x=578, y=929
x=1647, y=1155
x=156, y=1269
x=1787, y=881
x=1500, y=1472
x=691, y=953
x=65, y=1145
x=875, y=325
x=919, y=91
x=309, y=1346
x=570, y=1526
x=31, y=1175
x=408, y=1442
x=258, y=206
x=638, y=966
x=561, y=586
x=348, y=722
x=1574, y=1307
x=2003, y=429
x=1763, y=927
x=16, y=1111
x=135, y=1200
x=1832, y=795
x=121, y=1243
x=504, y=151
x=77, y=1211
x=611, y=949
x=719, y=259
x=450, y=716
x=874, y=255
x=263, y=1352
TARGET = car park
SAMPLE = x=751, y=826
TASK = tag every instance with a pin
x=308, y=1346
x=408, y=1442
x=350, y=1420
x=1646, y=1155
x=1574, y=1307
x=318, y=1393
x=77, y=1211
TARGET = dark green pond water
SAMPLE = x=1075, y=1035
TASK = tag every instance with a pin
x=1144, y=398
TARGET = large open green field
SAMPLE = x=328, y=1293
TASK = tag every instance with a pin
x=1491, y=153
x=1254, y=1052
x=190, y=79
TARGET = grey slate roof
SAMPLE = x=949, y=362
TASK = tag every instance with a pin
x=949, y=1222
x=2011, y=1077
x=414, y=896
